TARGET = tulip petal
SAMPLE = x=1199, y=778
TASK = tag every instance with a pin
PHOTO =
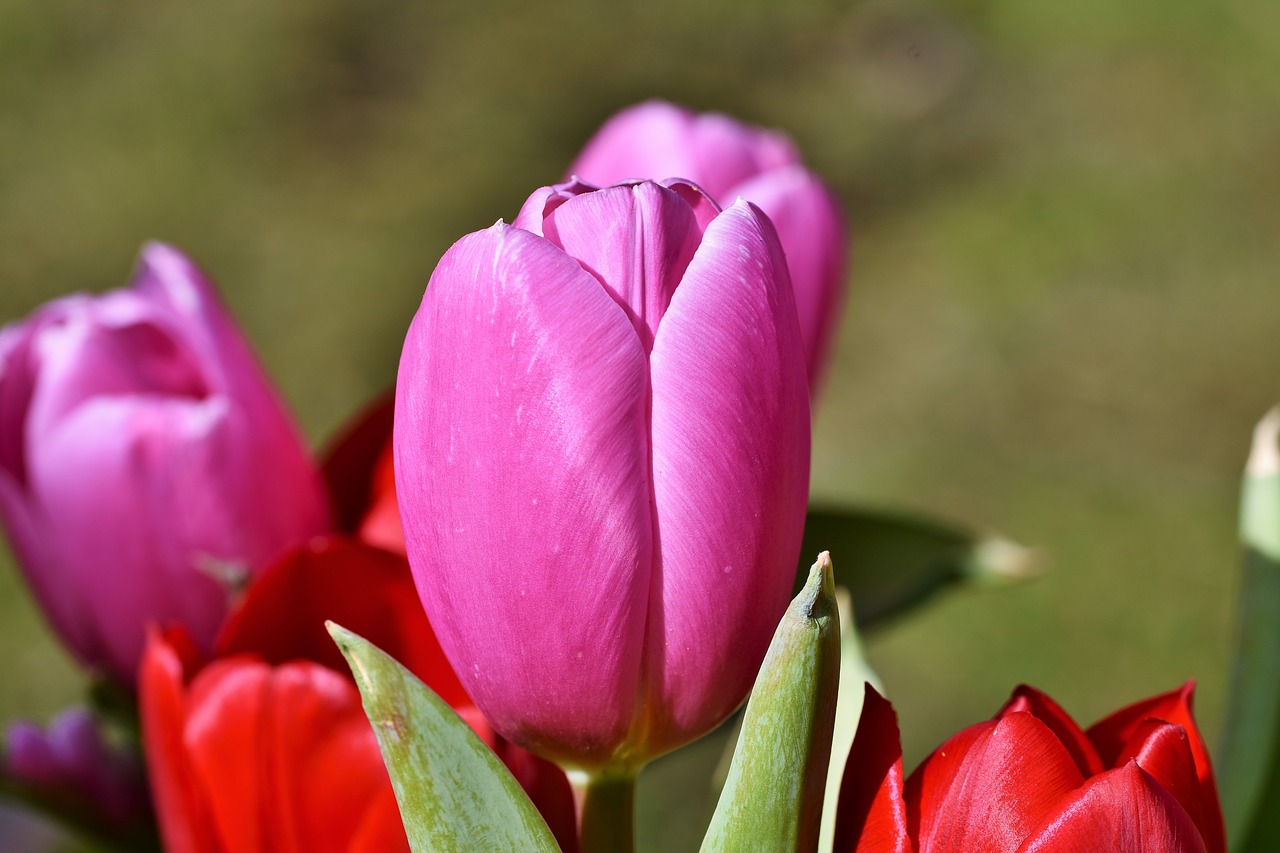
x=283, y=613
x=185, y=824
x=1049, y=712
x=656, y=140
x=1120, y=811
x=160, y=460
x=1163, y=750
x=520, y=441
x=730, y=429
x=1112, y=734
x=324, y=758
x=1009, y=778
x=872, y=816
x=636, y=239
x=812, y=232
x=351, y=459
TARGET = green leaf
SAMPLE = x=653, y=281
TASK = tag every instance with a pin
x=772, y=799
x=855, y=671
x=454, y=793
x=1248, y=766
x=891, y=562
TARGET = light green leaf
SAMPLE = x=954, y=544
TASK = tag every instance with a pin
x=855, y=671
x=453, y=792
x=891, y=562
x=772, y=799
x=1249, y=762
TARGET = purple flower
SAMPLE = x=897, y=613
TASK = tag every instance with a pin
x=602, y=460
x=142, y=454
x=729, y=159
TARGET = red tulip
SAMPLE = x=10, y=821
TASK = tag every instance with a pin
x=247, y=756
x=358, y=471
x=277, y=636
x=1032, y=781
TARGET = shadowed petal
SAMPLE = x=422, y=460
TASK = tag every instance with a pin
x=730, y=469
x=871, y=815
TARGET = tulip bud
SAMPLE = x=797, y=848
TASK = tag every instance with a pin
x=142, y=451
x=729, y=159
x=73, y=765
x=602, y=461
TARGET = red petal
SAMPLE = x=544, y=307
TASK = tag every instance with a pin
x=351, y=458
x=1164, y=751
x=180, y=810
x=364, y=589
x=381, y=524
x=323, y=759
x=1122, y=810
x=1050, y=713
x=1012, y=775
x=1113, y=734
x=381, y=830
x=871, y=815
x=929, y=783
x=225, y=745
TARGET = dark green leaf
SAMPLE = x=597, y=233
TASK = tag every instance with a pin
x=1248, y=763
x=892, y=562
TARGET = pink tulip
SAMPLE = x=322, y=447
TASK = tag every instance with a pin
x=729, y=160
x=602, y=459
x=144, y=460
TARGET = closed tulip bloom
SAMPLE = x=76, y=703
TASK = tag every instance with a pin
x=144, y=459
x=602, y=457
x=730, y=159
x=1031, y=781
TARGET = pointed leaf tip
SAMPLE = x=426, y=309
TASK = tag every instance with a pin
x=1264, y=455
x=997, y=560
x=772, y=799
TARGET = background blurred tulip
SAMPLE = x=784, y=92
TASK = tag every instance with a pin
x=246, y=756
x=282, y=619
x=1032, y=780
x=73, y=769
x=602, y=455
x=145, y=461
x=730, y=159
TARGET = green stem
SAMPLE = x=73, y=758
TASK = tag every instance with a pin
x=605, y=805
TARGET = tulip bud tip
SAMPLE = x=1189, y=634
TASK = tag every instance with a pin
x=1264, y=456
x=818, y=596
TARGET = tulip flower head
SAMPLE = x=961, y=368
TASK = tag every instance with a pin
x=143, y=452
x=602, y=458
x=247, y=756
x=1032, y=781
x=730, y=160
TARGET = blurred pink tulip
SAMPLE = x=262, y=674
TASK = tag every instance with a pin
x=602, y=459
x=144, y=461
x=729, y=160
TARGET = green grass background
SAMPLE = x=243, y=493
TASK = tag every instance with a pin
x=1063, y=318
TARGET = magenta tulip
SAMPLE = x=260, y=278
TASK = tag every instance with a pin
x=729, y=159
x=144, y=461
x=602, y=459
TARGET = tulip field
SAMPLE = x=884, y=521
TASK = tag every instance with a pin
x=722, y=426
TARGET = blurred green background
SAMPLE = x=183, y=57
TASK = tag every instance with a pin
x=1064, y=314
